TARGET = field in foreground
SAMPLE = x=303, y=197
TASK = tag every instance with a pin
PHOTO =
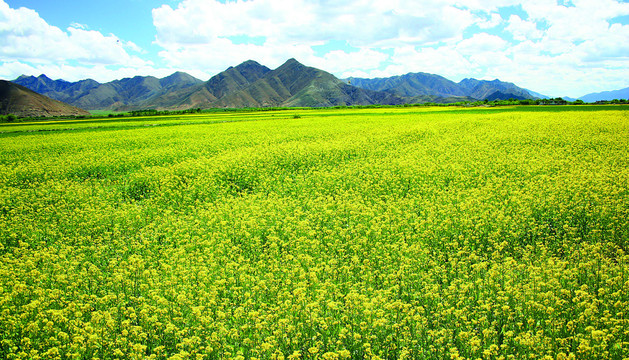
x=400, y=233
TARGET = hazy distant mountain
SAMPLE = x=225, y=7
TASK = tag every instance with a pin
x=537, y=95
x=606, y=95
x=22, y=102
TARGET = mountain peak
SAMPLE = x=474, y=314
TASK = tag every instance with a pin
x=44, y=77
x=176, y=74
x=24, y=77
x=292, y=65
x=179, y=79
x=179, y=75
x=292, y=62
x=249, y=63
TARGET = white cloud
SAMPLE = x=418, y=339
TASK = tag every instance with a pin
x=101, y=73
x=292, y=28
x=363, y=22
x=445, y=61
x=28, y=42
x=480, y=43
x=339, y=61
x=577, y=52
x=79, y=26
x=613, y=45
x=523, y=30
x=221, y=53
x=494, y=20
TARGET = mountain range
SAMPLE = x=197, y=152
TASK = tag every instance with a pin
x=292, y=84
x=23, y=102
x=91, y=95
x=417, y=84
x=606, y=95
x=253, y=85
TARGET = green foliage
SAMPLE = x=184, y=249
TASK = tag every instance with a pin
x=138, y=188
x=9, y=118
x=615, y=102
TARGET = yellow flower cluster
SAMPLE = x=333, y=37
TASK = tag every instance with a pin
x=394, y=233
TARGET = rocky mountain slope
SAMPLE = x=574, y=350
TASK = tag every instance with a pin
x=23, y=102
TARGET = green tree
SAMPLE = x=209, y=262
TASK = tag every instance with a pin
x=8, y=118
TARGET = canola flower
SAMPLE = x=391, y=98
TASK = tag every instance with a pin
x=395, y=233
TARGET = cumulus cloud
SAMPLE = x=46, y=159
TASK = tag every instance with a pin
x=339, y=61
x=523, y=30
x=28, y=42
x=73, y=72
x=294, y=27
x=482, y=43
x=79, y=26
x=362, y=22
x=493, y=20
x=445, y=61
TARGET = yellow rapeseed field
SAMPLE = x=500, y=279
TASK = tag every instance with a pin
x=394, y=233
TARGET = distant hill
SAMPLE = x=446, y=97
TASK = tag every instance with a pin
x=23, y=102
x=606, y=95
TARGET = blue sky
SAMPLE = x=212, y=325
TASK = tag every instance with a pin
x=558, y=48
